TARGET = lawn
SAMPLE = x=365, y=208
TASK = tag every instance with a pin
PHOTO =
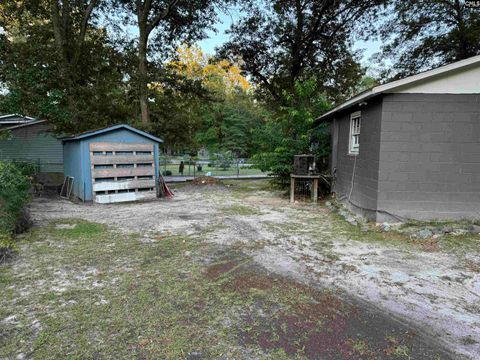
x=204, y=281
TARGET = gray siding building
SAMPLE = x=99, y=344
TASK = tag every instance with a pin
x=35, y=142
x=410, y=149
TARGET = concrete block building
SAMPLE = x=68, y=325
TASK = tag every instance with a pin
x=410, y=149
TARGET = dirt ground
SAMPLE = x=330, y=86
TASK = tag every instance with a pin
x=377, y=296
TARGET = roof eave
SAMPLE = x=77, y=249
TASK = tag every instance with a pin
x=397, y=84
x=112, y=128
x=30, y=123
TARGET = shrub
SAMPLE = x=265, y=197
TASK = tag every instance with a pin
x=224, y=159
x=15, y=184
x=167, y=173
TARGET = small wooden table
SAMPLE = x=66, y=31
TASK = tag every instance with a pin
x=308, y=177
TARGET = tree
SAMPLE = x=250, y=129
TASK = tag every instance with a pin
x=421, y=35
x=282, y=42
x=172, y=22
x=230, y=125
x=290, y=132
x=218, y=112
x=298, y=53
x=57, y=63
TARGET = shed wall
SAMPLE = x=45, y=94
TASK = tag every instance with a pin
x=34, y=143
x=365, y=182
x=73, y=166
x=119, y=135
x=430, y=156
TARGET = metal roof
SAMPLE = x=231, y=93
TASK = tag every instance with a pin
x=396, y=85
x=24, y=124
x=15, y=119
x=88, y=134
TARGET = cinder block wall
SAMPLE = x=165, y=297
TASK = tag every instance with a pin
x=429, y=156
x=365, y=189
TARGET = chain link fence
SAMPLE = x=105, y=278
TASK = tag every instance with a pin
x=186, y=167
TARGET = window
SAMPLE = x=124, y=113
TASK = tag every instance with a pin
x=355, y=120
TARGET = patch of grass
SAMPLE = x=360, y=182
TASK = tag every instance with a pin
x=343, y=228
x=240, y=210
x=464, y=243
x=360, y=348
x=402, y=352
x=96, y=292
x=439, y=223
x=242, y=188
x=75, y=229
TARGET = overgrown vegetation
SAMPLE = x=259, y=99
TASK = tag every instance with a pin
x=15, y=184
x=289, y=132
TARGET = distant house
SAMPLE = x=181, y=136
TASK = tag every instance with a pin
x=411, y=148
x=28, y=139
x=114, y=164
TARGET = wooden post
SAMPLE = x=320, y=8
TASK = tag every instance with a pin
x=315, y=190
x=292, y=189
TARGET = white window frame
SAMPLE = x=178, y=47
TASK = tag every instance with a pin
x=354, y=135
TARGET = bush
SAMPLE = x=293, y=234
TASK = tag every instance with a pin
x=15, y=184
x=224, y=160
x=167, y=173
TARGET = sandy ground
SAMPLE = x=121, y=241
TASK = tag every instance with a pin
x=433, y=290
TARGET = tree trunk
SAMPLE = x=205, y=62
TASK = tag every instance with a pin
x=143, y=78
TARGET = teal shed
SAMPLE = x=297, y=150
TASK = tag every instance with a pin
x=114, y=164
x=33, y=141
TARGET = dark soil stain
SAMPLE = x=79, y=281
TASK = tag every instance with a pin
x=245, y=281
x=217, y=270
x=321, y=325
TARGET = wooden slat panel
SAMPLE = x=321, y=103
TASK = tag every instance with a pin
x=119, y=172
x=113, y=146
x=123, y=185
x=114, y=198
x=120, y=159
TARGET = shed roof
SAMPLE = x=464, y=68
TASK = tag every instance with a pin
x=88, y=134
x=393, y=86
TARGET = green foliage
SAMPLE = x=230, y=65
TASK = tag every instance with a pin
x=283, y=42
x=15, y=184
x=75, y=96
x=224, y=159
x=290, y=133
x=229, y=125
x=420, y=35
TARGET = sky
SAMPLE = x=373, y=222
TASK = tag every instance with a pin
x=225, y=20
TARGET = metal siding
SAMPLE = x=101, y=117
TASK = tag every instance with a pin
x=72, y=166
x=34, y=143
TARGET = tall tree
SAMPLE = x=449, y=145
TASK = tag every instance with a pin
x=70, y=20
x=171, y=22
x=210, y=107
x=282, y=42
x=57, y=63
x=420, y=35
